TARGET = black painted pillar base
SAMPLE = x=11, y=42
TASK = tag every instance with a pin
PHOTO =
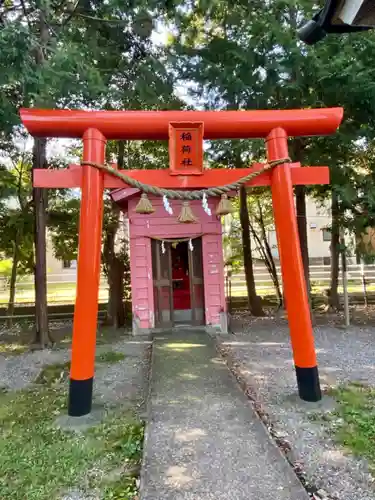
x=80, y=397
x=308, y=384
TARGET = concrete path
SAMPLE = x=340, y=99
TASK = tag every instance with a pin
x=203, y=439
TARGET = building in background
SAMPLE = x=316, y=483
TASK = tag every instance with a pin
x=59, y=270
x=318, y=233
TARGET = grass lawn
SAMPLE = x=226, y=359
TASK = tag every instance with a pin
x=56, y=292
x=64, y=293
x=354, y=420
x=39, y=461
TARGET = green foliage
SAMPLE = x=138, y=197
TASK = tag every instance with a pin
x=56, y=373
x=248, y=56
x=53, y=374
x=123, y=438
x=95, y=54
x=16, y=221
x=72, y=58
x=232, y=241
x=6, y=184
x=39, y=461
x=110, y=357
x=18, y=224
x=235, y=56
x=233, y=246
x=92, y=54
x=355, y=420
x=123, y=489
x=12, y=349
x=5, y=268
x=63, y=223
x=141, y=155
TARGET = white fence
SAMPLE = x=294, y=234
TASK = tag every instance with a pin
x=319, y=278
x=61, y=288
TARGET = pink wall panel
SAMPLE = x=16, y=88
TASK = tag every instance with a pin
x=213, y=266
x=162, y=225
x=141, y=281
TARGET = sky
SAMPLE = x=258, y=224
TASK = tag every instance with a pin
x=159, y=37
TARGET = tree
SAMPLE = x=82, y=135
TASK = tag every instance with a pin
x=233, y=154
x=232, y=239
x=42, y=73
x=16, y=237
x=255, y=304
x=261, y=221
x=90, y=53
x=247, y=56
x=116, y=267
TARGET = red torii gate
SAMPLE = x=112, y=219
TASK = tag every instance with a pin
x=96, y=127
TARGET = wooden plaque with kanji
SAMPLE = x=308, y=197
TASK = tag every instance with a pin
x=186, y=148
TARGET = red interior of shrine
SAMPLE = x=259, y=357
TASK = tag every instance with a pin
x=180, y=277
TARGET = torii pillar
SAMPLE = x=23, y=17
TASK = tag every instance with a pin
x=294, y=284
x=95, y=127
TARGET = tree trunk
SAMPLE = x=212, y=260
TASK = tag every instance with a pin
x=116, y=309
x=115, y=274
x=42, y=338
x=115, y=265
x=297, y=150
x=269, y=256
x=13, y=280
x=333, y=299
x=273, y=271
x=121, y=154
x=358, y=259
x=255, y=304
x=269, y=262
x=302, y=231
x=40, y=201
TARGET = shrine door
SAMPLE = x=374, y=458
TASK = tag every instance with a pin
x=178, y=283
x=197, y=282
x=162, y=283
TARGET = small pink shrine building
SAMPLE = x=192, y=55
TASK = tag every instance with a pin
x=177, y=270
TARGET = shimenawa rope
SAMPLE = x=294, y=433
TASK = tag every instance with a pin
x=185, y=195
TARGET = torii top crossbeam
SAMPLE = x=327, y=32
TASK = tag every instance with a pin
x=140, y=125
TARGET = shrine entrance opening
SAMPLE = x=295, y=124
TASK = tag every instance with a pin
x=178, y=283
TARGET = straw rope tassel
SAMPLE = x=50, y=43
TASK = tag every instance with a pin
x=144, y=206
x=225, y=206
x=186, y=216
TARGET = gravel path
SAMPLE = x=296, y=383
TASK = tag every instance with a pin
x=126, y=380
x=264, y=356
